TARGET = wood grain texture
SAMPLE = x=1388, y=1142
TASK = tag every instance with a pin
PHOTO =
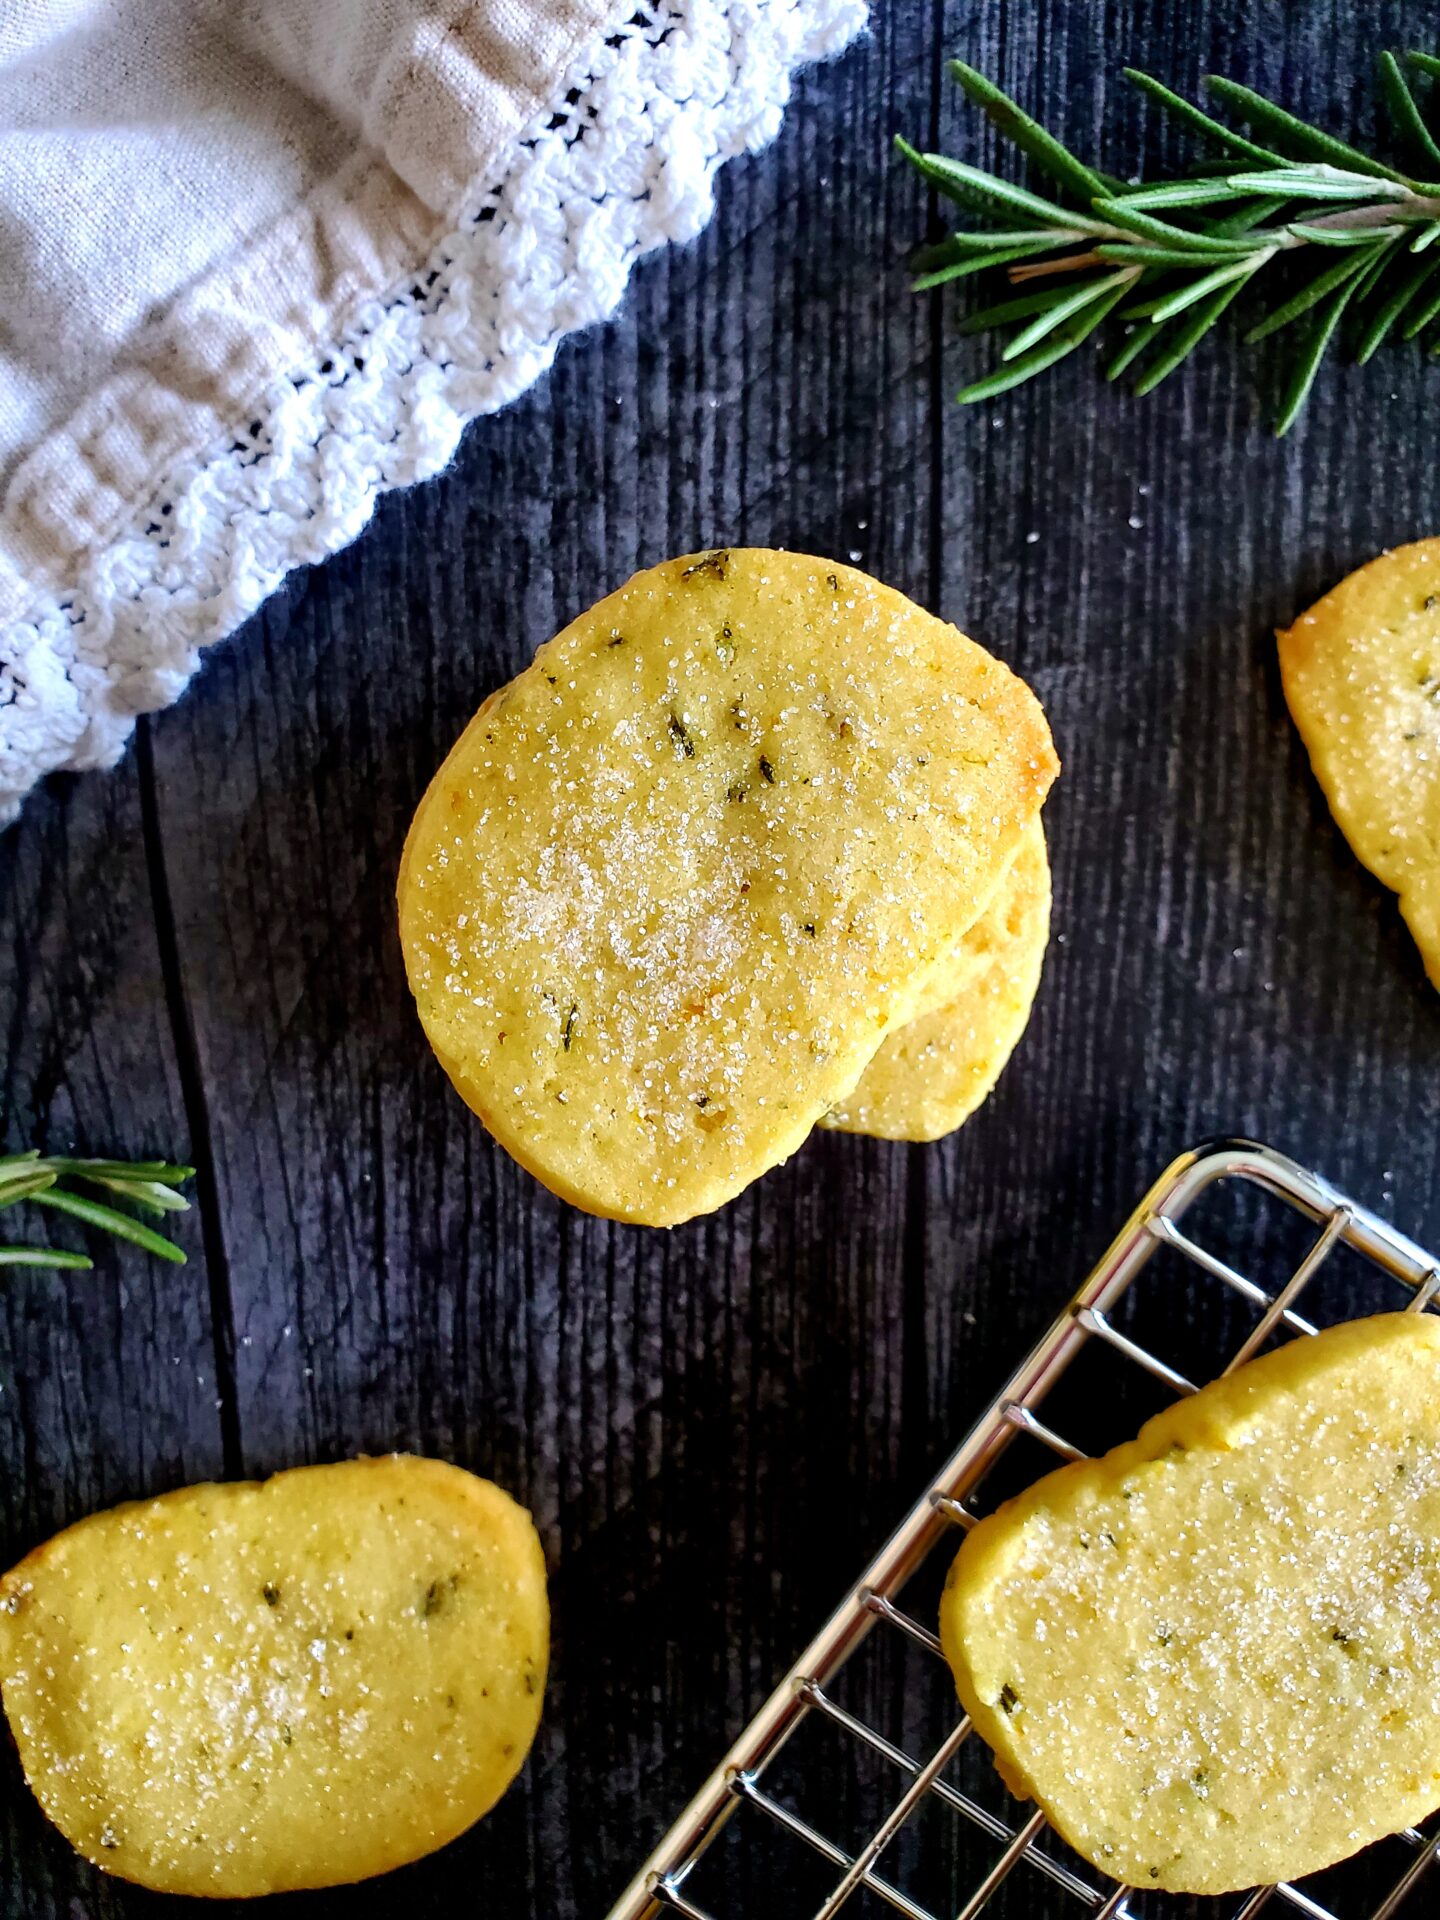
x=714, y=1426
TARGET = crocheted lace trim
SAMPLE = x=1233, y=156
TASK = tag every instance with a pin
x=624, y=163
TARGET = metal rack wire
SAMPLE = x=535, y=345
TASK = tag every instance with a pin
x=664, y=1885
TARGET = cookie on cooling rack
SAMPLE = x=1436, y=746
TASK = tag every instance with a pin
x=1213, y=1656
x=1361, y=672
x=252, y=1688
x=931, y=1074
x=676, y=883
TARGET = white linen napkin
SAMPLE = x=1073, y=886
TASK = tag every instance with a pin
x=260, y=260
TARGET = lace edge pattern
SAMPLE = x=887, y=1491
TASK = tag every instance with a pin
x=622, y=163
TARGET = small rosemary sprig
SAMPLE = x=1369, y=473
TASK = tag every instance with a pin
x=1167, y=259
x=147, y=1184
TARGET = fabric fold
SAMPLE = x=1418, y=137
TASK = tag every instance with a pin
x=250, y=423
x=180, y=201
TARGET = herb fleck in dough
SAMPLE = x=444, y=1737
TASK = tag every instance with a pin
x=1213, y=1656
x=676, y=883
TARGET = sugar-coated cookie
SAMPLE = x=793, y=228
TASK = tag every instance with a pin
x=247, y=1688
x=1361, y=672
x=677, y=881
x=1213, y=1656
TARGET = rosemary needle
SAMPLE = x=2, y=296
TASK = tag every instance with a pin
x=1330, y=229
x=147, y=1184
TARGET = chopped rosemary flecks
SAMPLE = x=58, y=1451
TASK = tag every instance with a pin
x=716, y=563
x=1167, y=258
x=684, y=745
x=436, y=1595
x=767, y=772
x=568, y=1035
x=48, y=1182
x=1009, y=1699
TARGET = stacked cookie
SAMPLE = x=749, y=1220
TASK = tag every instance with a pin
x=752, y=845
x=930, y=1075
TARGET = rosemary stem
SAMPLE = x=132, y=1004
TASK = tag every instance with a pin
x=1066, y=263
x=1415, y=209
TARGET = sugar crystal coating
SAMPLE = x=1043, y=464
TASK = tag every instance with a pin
x=246, y=1688
x=677, y=881
x=1361, y=672
x=1213, y=1656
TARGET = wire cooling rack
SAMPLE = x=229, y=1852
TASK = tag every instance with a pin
x=999, y=1844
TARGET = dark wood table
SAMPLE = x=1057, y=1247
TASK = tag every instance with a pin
x=714, y=1425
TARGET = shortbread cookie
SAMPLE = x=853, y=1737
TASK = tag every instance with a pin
x=1213, y=1656
x=240, y=1689
x=931, y=1074
x=678, y=880
x=1362, y=676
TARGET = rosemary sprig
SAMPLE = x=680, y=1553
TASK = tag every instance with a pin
x=1341, y=231
x=147, y=1184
